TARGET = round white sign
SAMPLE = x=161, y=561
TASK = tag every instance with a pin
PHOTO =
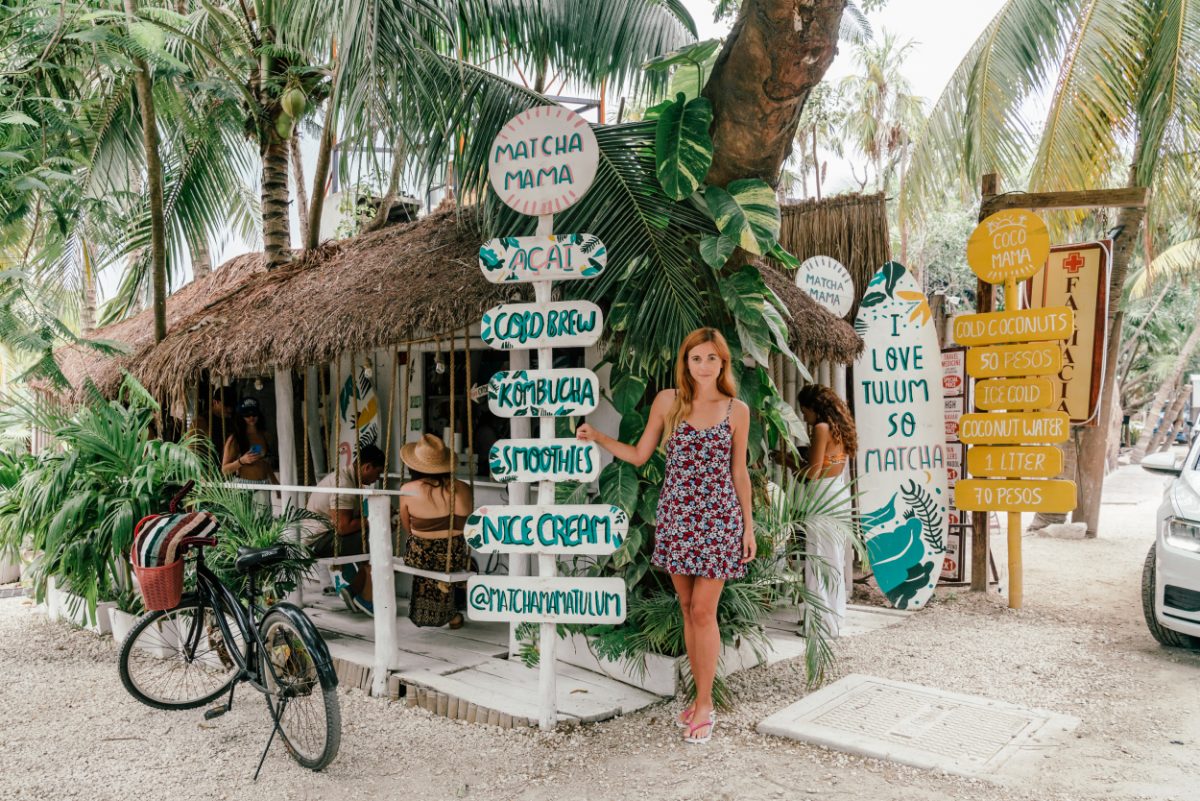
x=826, y=281
x=543, y=160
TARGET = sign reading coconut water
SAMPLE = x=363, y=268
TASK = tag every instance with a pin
x=523, y=259
x=534, y=599
x=567, y=529
x=520, y=326
x=826, y=281
x=543, y=393
x=544, y=460
x=899, y=410
x=1014, y=428
x=543, y=160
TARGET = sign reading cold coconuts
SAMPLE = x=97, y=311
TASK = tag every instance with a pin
x=1009, y=451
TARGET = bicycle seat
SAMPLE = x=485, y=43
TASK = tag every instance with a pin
x=250, y=559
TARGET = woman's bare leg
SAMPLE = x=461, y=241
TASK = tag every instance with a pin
x=706, y=646
x=683, y=588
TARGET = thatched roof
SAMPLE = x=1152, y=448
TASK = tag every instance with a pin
x=813, y=332
x=79, y=363
x=850, y=228
x=381, y=289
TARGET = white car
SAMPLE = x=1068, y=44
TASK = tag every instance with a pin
x=1171, y=576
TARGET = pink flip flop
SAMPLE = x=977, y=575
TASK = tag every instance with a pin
x=683, y=721
x=711, y=723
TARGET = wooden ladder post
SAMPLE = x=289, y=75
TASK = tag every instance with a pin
x=383, y=580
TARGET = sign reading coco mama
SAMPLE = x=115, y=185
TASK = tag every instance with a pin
x=1008, y=245
x=898, y=404
x=568, y=529
x=543, y=393
x=546, y=600
x=543, y=160
x=523, y=259
x=544, y=460
x=565, y=324
x=826, y=281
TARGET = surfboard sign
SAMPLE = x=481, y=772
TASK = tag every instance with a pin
x=560, y=459
x=522, y=259
x=523, y=326
x=534, y=599
x=543, y=393
x=358, y=416
x=899, y=410
x=567, y=529
x=543, y=160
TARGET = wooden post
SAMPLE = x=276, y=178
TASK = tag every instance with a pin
x=285, y=434
x=1012, y=302
x=312, y=419
x=547, y=563
x=383, y=580
x=985, y=301
x=518, y=494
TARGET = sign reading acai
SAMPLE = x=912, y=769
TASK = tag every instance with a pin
x=568, y=257
x=543, y=160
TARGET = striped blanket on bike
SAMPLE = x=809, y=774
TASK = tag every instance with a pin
x=156, y=541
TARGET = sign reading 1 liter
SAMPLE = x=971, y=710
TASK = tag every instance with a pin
x=542, y=162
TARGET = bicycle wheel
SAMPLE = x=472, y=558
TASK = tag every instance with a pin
x=309, y=714
x=178, y=659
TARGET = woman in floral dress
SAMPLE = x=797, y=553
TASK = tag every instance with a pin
x=705, y=532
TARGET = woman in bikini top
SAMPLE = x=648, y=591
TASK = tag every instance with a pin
x=832, y=439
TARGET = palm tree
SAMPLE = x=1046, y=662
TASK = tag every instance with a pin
x=1124, y=86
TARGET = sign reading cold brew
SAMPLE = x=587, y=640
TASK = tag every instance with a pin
x=543, y=393
x=567, y=529
x=546, y=600
x=519, y=326
x=522, y=259
x=543, y=160
x=544, y=460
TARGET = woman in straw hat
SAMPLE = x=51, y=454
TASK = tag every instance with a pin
x=434, y=517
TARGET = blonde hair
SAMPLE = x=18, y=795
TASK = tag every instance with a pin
x=685, y=385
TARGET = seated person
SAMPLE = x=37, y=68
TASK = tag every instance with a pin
x=435, y=539
x=346, y=532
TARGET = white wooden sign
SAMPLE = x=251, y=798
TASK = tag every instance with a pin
x=521, y=259
x=544, y=460
x=826, y=281
x=899, y=410
x=543, y=393
x=519, y=326
x=543, y=160
x=566, y=529
x=546, y=600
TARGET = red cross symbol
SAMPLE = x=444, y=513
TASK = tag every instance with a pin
x=1073, y=263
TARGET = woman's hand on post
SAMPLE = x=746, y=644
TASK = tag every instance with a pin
x=749, y=545
x=585, y=433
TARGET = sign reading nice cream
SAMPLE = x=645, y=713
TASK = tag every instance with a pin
x=542, y=258
x=543, y=393
x=543, y=160
x=826, y=281
x=900, y=414
x=1021, y=347
x=567, y=529
x=532, y=599
x=566, y=324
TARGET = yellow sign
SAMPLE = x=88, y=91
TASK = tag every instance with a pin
x=1014, y=462
x=1014, y=428
x=1077, y=276
x=1026, y=325
x=1001, y=361
x=1014, y=394
x=998, y=495
x=1008, y=245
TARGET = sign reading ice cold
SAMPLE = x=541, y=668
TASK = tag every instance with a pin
x=543, y=393
x=826, y=281
x=523, y=259
x=901, y=457
x=544, y=460
x=568, y=529
x=519, y=326
x=543, y=160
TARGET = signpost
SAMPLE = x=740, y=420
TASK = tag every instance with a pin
x=826, y=281
x=1018, y=344
x=541, y=163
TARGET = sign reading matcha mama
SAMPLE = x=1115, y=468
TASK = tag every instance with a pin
x=543, y=160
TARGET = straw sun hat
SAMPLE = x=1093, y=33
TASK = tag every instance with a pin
x=427, y=455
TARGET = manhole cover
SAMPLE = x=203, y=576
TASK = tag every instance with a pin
x=916, y=725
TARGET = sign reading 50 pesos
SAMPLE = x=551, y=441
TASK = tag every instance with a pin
x=568, y=529
x=518, y=326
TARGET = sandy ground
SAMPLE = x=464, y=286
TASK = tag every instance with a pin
x=1078, y=647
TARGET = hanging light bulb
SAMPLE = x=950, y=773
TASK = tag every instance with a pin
x=438, y=366
x=258, y=384
x=368, y=373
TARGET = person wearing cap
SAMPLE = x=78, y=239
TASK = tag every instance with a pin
x=345, y=533
x=434, y=516
x=247, y=452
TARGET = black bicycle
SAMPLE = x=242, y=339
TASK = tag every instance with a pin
x=193, y=654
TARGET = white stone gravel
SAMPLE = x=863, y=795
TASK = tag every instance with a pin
x=1079, y=647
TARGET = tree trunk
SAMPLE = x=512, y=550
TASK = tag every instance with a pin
x=399, y=157
x=276, y=229
x=816, y=163
x=87, y=315
x=1093, y=444
x=301, y=189
x=154, y=183
x=777, y=51
x=201, y=261
x=320, y=177
x=1176, y=415
x=1142, y=446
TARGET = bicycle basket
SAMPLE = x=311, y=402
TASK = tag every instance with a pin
x=157, y=561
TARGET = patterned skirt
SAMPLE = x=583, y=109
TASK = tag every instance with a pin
x=432, y=602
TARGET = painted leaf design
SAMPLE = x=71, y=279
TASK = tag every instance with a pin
x=893, y=271
x=747, y=212
x=682, y=146
x=881, y=515
x=873, y=299
x=490, y=258
x=893, y=552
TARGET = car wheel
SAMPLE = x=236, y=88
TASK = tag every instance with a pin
x=1165, y=636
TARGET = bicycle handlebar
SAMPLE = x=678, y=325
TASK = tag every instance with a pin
x=179, y=496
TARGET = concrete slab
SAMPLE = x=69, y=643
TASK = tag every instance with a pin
x=919, y=726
